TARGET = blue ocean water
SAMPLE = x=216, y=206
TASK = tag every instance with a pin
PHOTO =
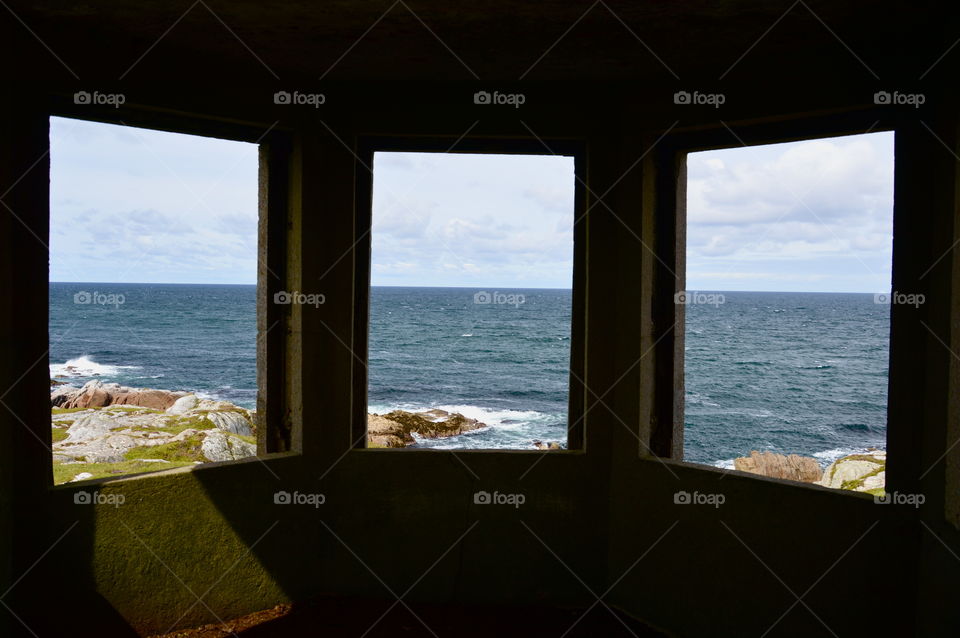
x=797, y=373
x=794, y=373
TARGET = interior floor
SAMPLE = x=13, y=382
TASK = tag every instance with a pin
x=336, y=617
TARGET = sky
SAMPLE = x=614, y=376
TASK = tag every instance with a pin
x=460, y=219
x=134, y=205
x=803, y=216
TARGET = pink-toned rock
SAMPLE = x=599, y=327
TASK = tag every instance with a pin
x=97, y=394
x=793, y=467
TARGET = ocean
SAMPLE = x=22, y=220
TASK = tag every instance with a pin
x=802, y=373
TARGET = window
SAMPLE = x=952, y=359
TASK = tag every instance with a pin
x=471, y=301
x=153, y=270
x=787, y=307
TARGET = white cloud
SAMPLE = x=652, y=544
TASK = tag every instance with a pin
x=137, y=205
x=804, y=203
x=468, y=219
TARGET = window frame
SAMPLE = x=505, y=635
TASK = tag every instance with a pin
x=669, y=163
x=366, y=148
x=277, y=436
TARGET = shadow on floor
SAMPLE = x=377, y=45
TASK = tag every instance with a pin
x=334, y=617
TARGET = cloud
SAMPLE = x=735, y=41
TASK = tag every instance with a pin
x=796, y=202
x=137, y=205
x=468, y=219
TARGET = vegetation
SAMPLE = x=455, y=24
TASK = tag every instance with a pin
x=185, y=451
x=63, y=473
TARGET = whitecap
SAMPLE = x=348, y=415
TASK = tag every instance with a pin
x=85, y=366
x=827, y=457
x=501, y=418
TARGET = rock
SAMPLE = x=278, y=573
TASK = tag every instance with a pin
x=221, y=446
x=858, y=472
x=397, y=428
x=550, y=445
x=383, y=432
x=107, y=434
x=793, y=466
x=91, y=426
x=60, y=393
x=97, y=394
x=108, y=449
x=183, y=404
x=82, y=476
x=436, y=423
x=230, y=422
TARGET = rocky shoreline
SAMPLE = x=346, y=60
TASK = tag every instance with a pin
x=105, y=429
x=864, y=472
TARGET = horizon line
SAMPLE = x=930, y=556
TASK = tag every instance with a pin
x=461, y=287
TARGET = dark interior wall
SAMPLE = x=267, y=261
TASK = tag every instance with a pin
x=595, y=520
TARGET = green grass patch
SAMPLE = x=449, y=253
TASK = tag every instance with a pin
x=249, y=439
x=185, y=451
x=68, y=410
x=65, y=473
x=58, y=434
x=176, y=425
x=130, y=408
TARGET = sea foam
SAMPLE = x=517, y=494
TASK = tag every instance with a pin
x=85, y=366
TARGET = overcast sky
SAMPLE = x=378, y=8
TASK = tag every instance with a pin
x=133, y=205
x=805, y=216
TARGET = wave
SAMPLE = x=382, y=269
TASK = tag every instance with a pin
x=829, y=456
x=501, y=418
x=85, y=366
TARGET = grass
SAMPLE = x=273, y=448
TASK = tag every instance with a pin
x=64, y=473
x=249, y=439
x=58, y=434
x=69, y=410
x=129, y=408
x=176, y=425
x=185, y=451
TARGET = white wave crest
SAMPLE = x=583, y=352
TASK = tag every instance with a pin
x=85, y=366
